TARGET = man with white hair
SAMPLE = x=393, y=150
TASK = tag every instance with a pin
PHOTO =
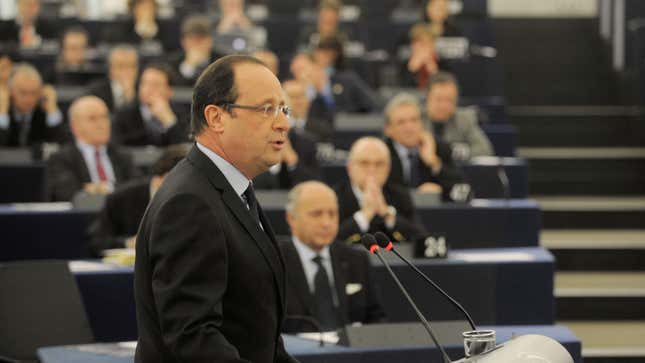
x=29, y=112
x=90, y=163
x=327, y=280
x=367, y=203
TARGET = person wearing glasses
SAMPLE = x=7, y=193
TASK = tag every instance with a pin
x=151, y=120
x=209, y=277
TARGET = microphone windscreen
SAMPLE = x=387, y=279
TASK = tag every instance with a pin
x=368, y=241
x=382, y=239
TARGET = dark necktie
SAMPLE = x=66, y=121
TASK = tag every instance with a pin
x=413, y=159
x=252, y=203
x=24, y=127
x=100, y=170
x=326, y=311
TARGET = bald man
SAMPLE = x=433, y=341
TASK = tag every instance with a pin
x=29, y=112
x=327, y=280
x=368, y=203
x=90, y=163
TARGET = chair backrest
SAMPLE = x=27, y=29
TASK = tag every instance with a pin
x=40, y=305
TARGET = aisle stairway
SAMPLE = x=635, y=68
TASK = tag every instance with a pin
x=586, y=156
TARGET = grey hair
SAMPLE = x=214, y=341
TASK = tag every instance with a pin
x=25, y=69
x=399, y=100
x=366, y=139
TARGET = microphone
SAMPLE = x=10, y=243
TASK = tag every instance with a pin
x=384, y=242
x=371, y=245
x=311, y=321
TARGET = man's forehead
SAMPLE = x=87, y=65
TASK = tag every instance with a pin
x=257, y=81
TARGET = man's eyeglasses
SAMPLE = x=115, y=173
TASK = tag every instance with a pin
x=267, y=110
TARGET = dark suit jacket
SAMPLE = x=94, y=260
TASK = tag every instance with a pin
x=102, y=89
x=129, y=128
x=175, y=60
x=119, y=219
x=39, y=132
x=352, y=94
x=320, y=120
x=209, y=282
x=307, y=167
x=10, y=31
x=67, y=171
x=447, y=177
x=350, y=266
x=405, y=228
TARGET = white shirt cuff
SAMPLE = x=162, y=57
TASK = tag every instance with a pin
x=4, y=121
x=361, y=221
x=54, y=119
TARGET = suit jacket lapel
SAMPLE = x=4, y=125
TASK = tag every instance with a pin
x=339, y=266
x=82, y=167
x=264, y=240
x=299, y=279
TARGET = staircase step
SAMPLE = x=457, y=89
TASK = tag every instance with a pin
x=596, y=250
x=578, y=126
x=597, y=212
x=561, y=171
x=610, y=341
x=600, y=295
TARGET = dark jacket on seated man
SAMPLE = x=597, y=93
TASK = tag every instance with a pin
x=405, y=228
x=120, y=217
x=447, y=177
x=131, y=129
x=352, y=94
x=358, y=296
x=306, y=168
x=67, y=171
x=38, y=130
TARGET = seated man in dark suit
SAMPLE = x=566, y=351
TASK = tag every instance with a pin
x=197, y=49
x=367, y=203
x=418, y=159
x=118, y=221
x=29, y=113
x=27, y=30
x=460, y=129
x=319, y=125
x=73, y=67
x=120, y=88
x=152, y=120
x=327, y=280
x=90, y=163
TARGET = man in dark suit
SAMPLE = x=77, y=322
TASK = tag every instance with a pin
x=152, y=120
x=120, y=88
x=318, y=123
x=90, y=163
x=118, y=221
x=197, y=49
x=367, y=203
x=299, y=163
x=327, y=280
x=29, y=113
x=209, y=277
x=418, y=159
x=28, y=29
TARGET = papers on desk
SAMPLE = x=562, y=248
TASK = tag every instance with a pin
x=42, y=207
x=125, y=349
x=119, y=256
x=330, y=337
x=89, y=266
x=492, y=256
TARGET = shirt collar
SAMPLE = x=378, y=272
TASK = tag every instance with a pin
x=307, y=253
x=357, y=193
x=145, y=112
x=234, y=176
x=87, y=148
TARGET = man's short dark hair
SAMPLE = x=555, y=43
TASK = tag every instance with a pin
x=163, y=68
x=197, y=25
x=169, y=158
x=442, y=77
x=75, y=29
x=216, y=86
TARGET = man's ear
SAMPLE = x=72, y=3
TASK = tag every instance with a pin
x=214, y=117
